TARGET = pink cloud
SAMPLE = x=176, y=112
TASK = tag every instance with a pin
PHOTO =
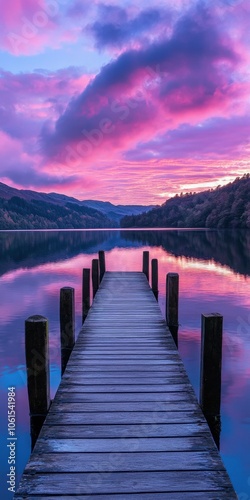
x=28, y=99
x=169, y=90
x=28, y=26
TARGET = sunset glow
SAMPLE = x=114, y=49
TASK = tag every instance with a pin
x=128, y=102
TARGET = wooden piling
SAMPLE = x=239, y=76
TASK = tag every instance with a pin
x=154, y=275
x=38, y=376
x=85, y=293
x=95, y=276
x=210, y=372
x=67, y=324
x=145, y=264
x=102, y=263
x=172, y=304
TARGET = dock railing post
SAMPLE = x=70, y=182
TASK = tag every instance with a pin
x=95, y=276
x=67, y=324
x=210, y=372
x=85, y=293
x=145, y=264
x=154, y=275
x=38, y=375
x=102, y=263
x=172, y=304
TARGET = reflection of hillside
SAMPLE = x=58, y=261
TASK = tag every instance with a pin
x=29, y=249
x=229, y=247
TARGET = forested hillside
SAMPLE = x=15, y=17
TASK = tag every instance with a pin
x=18, y=213
x=223, y=207
x=26, y=209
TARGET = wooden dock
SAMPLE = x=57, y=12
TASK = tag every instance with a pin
x=125, y=422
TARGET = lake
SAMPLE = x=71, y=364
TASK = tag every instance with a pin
x=214, y=269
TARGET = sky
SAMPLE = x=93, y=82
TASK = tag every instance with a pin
x=127, y=102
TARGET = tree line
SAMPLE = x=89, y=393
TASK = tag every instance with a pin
x=222, y=207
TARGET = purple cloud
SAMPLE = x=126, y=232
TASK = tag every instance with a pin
x=24, y=175
x=190, y=69
x=118, y=28
x=213, y=138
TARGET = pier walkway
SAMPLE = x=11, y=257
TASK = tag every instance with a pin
x=125, y=423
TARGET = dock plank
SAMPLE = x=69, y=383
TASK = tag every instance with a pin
x=125, y=423
x=90, y=483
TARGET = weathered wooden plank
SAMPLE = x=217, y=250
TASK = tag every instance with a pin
x=122, y=367
x=128, y=462
x=111, y=389
x=123, y=406
x=121, y=386
x=129, y=430
x=161, y=373
x=82, y=361
x=103, y=351
x=96, y=378
x=80, y=355
x=170, y=371
x=81, y=397
x=125, y=417
x=123, y=482
x=184, y=495
x=125, y=444
x=122, y=344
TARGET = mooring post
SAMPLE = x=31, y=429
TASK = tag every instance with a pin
x=172, y=304
x=102, y=263
x=38, y=376
x=210, y=372
x=145, y=264
x=95, y=276
x=154, y=274
x=85, y=293
x=67, y=324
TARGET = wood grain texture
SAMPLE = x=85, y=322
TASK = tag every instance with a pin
x=184, y=495
x=125, y=422
x=90, y=483
x=118, y=430
x=128, y=462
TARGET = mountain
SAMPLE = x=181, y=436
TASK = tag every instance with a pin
x=26, y=209
x=116, y=212
x=18, y=213
x=223, y=207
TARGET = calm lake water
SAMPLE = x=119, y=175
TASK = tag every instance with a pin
x=214, y=269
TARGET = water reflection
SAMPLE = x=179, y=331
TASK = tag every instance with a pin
x=228, y=248
x=214, y=271
x=31, y=248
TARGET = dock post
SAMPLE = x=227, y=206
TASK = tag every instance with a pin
x=38, y=376
x=85, y=293
x=172, y=304
x=210, y=372
x=154, y=274
x=145, y=264
x=95, y=276
x=67, y=324
x=102, y=263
